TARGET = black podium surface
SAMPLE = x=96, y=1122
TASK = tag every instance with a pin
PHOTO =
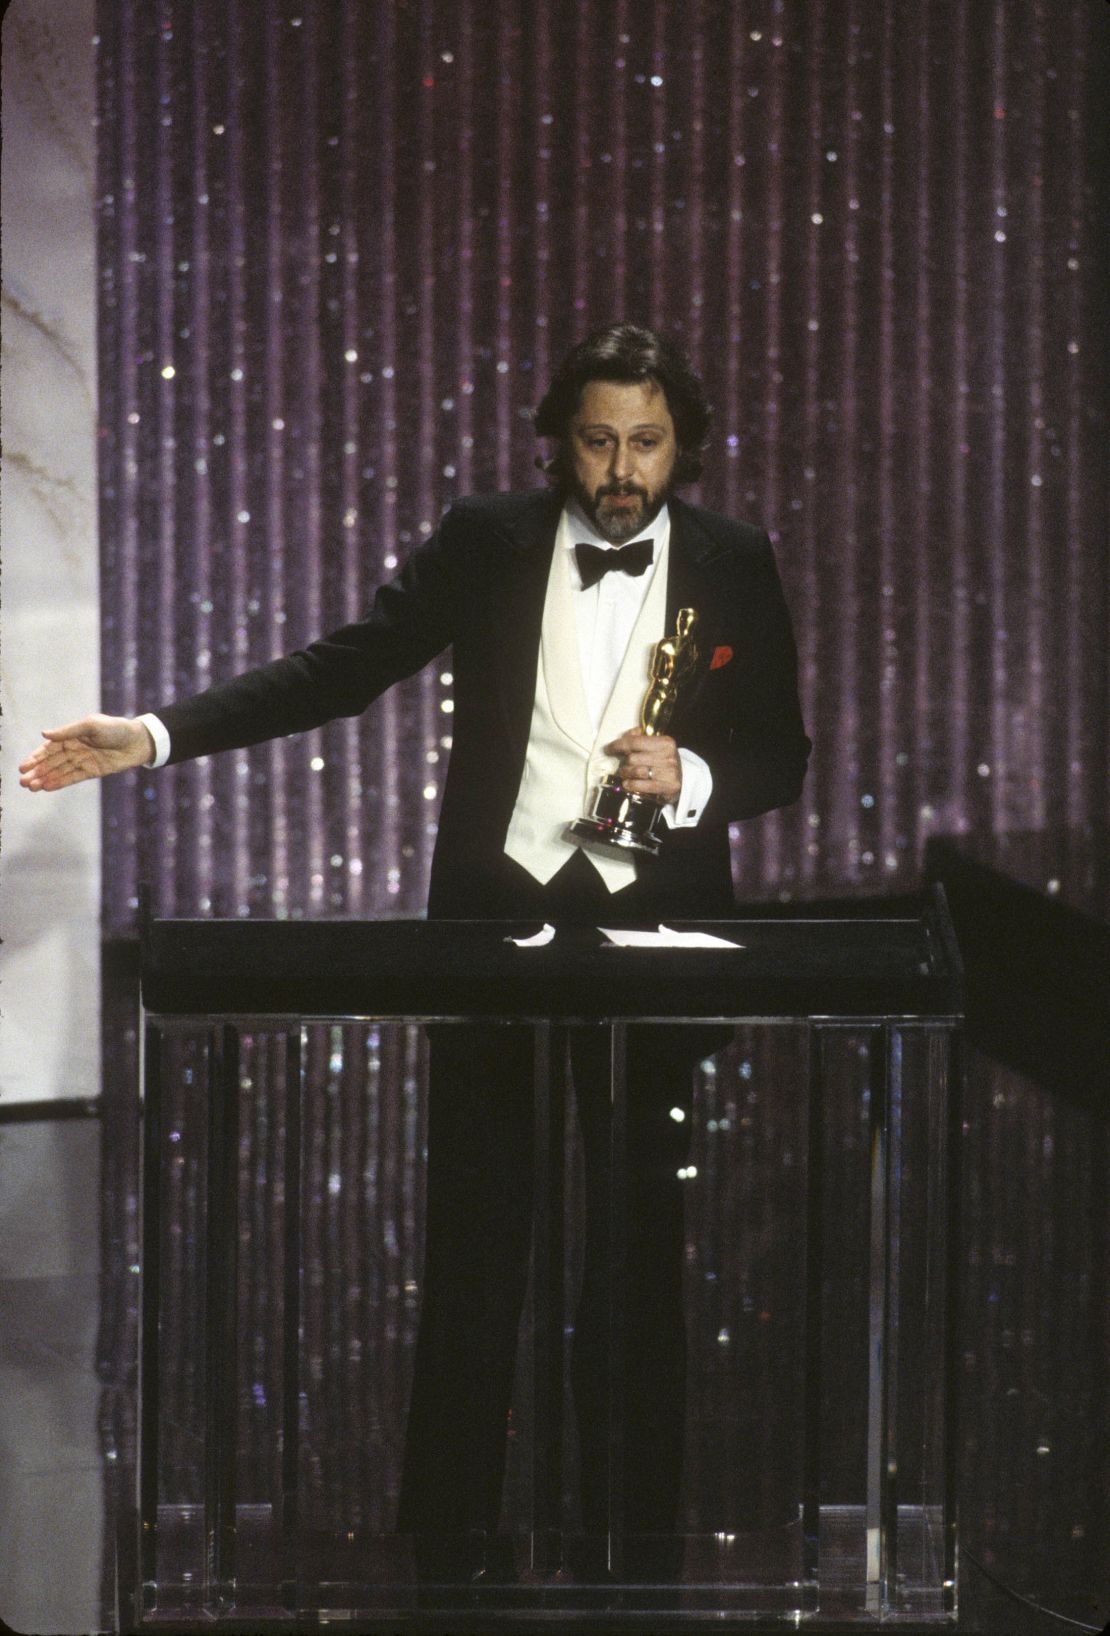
x=283, y=1083
x=789, y=967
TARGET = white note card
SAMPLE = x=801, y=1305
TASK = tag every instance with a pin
x=665, y=938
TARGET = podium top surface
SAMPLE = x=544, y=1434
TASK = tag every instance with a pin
x=798, y=966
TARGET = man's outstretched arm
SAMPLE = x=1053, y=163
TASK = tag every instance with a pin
x=93, y=747
x=412, y=619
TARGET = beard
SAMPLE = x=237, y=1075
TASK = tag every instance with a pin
x=616, y=521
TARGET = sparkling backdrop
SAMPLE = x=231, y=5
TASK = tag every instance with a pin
x=342, y=246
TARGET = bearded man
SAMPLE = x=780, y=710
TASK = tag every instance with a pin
x=553, y=602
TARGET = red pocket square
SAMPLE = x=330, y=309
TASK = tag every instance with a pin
x=721, y=656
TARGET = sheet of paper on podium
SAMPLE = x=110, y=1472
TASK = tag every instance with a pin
x=537, y=941
x=665, y=938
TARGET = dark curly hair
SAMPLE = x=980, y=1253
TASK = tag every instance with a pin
x=627, y=354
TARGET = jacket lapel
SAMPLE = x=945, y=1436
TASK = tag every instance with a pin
x=690, y=584
x=562, y=666
x=515, y=600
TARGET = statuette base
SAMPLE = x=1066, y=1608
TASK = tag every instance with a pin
x=618, y=821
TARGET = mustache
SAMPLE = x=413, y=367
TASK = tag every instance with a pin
x=621, y=489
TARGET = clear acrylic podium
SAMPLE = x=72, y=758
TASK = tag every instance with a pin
x=283, y=1086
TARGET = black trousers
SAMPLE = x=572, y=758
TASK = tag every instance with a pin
x=479, y=1220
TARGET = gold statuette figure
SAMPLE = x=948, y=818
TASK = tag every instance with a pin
x=672, y=662
x=615, y=817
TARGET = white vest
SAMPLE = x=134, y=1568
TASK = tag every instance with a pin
x=564, y=758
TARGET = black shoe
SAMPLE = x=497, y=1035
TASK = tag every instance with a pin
x=498, y=1561
x=586, y=1559
x=448, y=1564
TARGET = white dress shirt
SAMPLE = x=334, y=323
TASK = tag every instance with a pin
x=605, y=614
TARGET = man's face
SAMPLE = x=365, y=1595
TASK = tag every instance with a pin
x=623, y=451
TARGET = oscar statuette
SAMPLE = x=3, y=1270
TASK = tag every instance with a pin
x=616, y=818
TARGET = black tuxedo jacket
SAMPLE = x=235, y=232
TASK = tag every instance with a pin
x=479, y=585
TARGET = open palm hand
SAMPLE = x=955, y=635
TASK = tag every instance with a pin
x=93, y=747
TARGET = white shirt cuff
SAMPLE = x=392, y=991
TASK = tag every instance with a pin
x=161, y=738
x=697, y=787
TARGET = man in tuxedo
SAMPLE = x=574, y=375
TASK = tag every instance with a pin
x=553, y=601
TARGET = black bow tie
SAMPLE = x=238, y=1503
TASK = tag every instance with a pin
x=594, y=561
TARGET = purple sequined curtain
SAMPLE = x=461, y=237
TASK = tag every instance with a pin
x=342, y=245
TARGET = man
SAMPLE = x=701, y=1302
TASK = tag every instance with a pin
x=553, y=602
